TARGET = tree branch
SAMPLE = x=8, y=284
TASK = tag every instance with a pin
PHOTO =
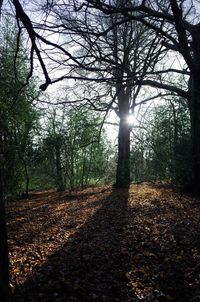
x=171, y=88
x=23, y=17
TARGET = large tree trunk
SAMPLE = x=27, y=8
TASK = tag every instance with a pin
x=195, y=130
x=4, y=263
x=123, y=161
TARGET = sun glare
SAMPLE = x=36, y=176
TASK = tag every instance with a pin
x=130, y=119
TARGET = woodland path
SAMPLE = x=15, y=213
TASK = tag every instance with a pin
x=105, y=244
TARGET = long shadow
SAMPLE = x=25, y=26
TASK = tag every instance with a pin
x=32, y=213
x=40, y=200
x=145, y=250
x=91, y=266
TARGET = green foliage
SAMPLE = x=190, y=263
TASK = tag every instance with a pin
x=17, y=116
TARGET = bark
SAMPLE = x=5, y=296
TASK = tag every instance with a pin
x=194, y=106
x=195, y=130
x=5, y=292
x=123, y=162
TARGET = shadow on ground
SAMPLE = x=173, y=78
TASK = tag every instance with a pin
x=138, y=245
x=91, y=266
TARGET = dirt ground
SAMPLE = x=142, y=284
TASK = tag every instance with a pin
x=105, y=244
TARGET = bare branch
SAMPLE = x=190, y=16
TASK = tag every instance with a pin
x=21, y=15
x=171, y=88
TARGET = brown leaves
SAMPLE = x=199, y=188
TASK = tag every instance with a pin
x=105, y=245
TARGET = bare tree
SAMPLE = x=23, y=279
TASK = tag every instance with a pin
x=177, y=22
x=134, y=54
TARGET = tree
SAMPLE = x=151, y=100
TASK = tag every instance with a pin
x=134, y=54
x=126, y=50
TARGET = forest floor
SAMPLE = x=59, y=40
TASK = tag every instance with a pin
x=105, y=244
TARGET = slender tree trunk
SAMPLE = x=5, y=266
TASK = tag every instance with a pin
x=195, y=131
x=83, y=176
x=26, y=176
x=59, y=174
x=5, y=292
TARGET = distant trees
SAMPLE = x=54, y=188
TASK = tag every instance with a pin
x=74, y=151
x=161, y=147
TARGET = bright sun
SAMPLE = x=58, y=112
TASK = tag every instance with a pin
x=130, y=119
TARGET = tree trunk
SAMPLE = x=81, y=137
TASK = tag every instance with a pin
x=26, y=176
x=5, y=292
x=195, y=130
x=123, y=161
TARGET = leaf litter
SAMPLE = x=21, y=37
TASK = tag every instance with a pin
x=105, y=244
